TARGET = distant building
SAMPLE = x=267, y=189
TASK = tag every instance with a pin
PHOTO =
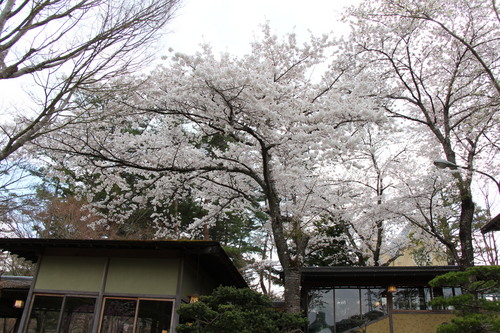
x=374, y=299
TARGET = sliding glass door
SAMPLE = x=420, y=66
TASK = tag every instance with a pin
x=63, y=314
x=76, y=314
x=130, y=315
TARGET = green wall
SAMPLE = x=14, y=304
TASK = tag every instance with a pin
x=139, y=276
x=70, y=273
x=143, y=276
x=196, y=281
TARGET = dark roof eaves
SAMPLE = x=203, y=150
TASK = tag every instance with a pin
x=493, y=225
x=349, y=270
x=32, y=248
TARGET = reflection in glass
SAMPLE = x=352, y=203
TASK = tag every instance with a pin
x=44, y=315
x=118, y=316
x=343, y=308
x=373, y=304
x=77, y=315
x=411, y=298
x=320, y=311
x=347, y=309
x=153, y=316
x=445, y=292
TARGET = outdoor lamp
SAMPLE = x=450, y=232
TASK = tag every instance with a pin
x=443, y=164
x=391, y=289
x=193, y=299
x=19, y=304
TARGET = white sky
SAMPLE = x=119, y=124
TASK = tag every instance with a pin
x=227, y=25
x=230, y=25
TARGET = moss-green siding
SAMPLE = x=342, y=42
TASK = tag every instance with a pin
x=424, y=322
x=379, y=326
x=143, y=276
x=70, y=273
x=419, y=323
x=196, y=281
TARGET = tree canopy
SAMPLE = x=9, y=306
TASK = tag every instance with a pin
x=301, y=145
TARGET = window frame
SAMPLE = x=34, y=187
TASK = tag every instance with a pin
x=426, y=292
x=61, y=309
x=138, y=299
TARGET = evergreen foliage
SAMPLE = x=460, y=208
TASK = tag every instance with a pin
x=478, y=308
x=229, y=310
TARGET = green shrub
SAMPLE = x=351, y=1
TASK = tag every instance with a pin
x=475, y=312
x=230, y=310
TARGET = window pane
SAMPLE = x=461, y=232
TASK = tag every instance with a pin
x=347, y=309
x=405, y=299
x=320, y=311
x=411, y=298
x=118, y=316
x=373, y=304
x=45, y=314
x=425, y=298
x=77, y=315
x=7, y=325
x=154, y=316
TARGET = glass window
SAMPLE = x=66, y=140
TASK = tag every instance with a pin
x=411, y=298
x=153, y=316
x=373, y=303
x=445, y=292
x=347, y=309
x=118, y=316
x=342, y=309
x=405, y=299
x=7, y=325
x=425, y=298
x=320, y=311
x=45, y=313
x=136, y=316
x=78, y=315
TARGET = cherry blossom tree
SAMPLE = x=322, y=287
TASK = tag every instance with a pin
x=61, y=47
x=51, y=52
x=254, y=133
x=439, y=60
x=369, y=175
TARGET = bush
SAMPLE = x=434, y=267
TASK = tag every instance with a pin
x=478, y=308
x=229, y=310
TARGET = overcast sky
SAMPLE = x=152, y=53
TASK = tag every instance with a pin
x=230, y=25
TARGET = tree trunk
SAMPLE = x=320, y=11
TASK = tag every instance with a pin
x=292, y=269
x=466, y=210
x=291, y=263
x=465, y=231
x=292, y=289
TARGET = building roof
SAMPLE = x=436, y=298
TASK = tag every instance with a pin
x=372, y=276
x=493, y=225
x=13, y=288
x=210, y=255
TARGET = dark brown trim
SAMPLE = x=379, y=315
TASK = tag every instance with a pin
x=29, y=300
x=380, y=276
x=493, y=225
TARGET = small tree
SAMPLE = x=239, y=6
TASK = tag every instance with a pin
x=229, y=310
x=478, y=307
